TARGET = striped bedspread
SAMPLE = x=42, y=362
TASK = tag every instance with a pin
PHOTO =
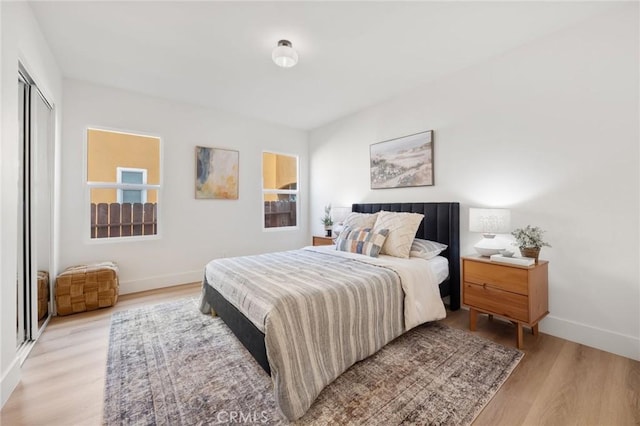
x=320, y=313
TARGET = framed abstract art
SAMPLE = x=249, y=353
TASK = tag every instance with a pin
x=216, y=173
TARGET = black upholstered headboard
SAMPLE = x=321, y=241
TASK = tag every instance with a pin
x=441, y=223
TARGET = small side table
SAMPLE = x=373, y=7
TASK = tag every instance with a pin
x=517, y=293
x=322, y=241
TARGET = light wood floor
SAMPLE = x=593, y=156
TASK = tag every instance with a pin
x=557, y=383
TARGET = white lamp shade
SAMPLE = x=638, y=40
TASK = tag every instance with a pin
x=284, y=55
x=339, y=214
x=489, y=221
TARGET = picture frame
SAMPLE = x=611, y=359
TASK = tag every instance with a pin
x=402, y=162
x=217, y=172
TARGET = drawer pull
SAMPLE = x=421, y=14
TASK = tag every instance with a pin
x=484, y=285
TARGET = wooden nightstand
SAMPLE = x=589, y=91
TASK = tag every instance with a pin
x=322, y=241
x=518, y=293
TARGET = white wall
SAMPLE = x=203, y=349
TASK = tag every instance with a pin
x=550, y=130
x=21, y=40
x=192, y=231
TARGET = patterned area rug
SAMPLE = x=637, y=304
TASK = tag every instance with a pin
x=169, y=364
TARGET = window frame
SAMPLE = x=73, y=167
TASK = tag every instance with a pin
x=89, y=185
x=295, y=192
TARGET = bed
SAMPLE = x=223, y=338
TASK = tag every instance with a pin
x=359, y=306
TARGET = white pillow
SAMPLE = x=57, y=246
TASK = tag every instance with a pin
x=426, y=249
x=402, y=231
x=360, y=220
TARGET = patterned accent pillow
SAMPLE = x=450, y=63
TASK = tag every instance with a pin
x=362, y=241
x=426, y=249
x=402, y=230
x=360, y=220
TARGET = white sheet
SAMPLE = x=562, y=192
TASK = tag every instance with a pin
x=440, y=266
x=419, y=281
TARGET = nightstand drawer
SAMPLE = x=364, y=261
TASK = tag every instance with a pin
x=487, y=298
x=499, y=276
x=322, y=241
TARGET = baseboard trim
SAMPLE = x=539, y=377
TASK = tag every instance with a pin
x=9, y=381
x=599, y=338
x=160, y=281
x=606, y=340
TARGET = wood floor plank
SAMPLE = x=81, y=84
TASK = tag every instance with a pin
x=557, y=383
x=619, y=392
x=522, y=387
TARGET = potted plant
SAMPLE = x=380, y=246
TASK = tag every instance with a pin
x=529, y=240
x=326, y=219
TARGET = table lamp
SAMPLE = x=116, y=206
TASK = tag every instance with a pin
x=489, y=222
x=338, y=215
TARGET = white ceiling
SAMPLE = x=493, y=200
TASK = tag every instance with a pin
x=352, y=54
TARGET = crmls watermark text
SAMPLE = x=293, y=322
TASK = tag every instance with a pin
x=230, y=417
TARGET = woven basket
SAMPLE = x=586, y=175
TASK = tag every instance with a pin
x=86, y=288
x=532, y=252
x=43, y=294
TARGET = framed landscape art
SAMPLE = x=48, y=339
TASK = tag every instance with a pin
x=402, y=162
x=216, y=173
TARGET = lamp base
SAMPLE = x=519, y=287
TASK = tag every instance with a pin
x=489, y=245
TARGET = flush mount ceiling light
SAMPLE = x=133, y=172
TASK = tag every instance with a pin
x=284, y=55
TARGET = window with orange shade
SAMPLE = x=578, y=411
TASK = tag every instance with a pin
x=123, y=179
x=280, y=190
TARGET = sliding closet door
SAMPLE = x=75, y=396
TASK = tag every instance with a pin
x=41, y=207
x=23, y=311
x=35, y=212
